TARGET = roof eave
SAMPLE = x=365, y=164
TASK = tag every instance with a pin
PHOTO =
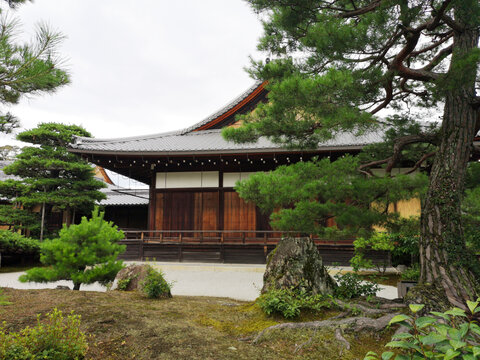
x=213, y=152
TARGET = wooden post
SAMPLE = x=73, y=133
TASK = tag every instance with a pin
x=141, y=246
x=222, y=247
x=180, y=251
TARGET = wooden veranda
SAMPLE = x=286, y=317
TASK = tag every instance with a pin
x=224, y=246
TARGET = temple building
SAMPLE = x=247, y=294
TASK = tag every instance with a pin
x=191, y=174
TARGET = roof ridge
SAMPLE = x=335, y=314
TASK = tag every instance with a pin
x=80, y=139
x=225, y=108
x=83, y=139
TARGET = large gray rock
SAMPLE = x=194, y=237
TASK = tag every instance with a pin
x=130, y=278
x=296, y=262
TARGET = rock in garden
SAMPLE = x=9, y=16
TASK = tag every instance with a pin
x=296, y=262
x=130, y=278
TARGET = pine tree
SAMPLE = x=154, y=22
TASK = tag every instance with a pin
x=84, y=253
x=27, y=69
x=337, y=64
x=50, y=175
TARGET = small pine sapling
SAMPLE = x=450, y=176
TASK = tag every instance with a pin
x=84, y=253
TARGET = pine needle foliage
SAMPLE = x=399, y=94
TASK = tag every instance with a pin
x=84, y=253
x=29, y=69
x=49, y=173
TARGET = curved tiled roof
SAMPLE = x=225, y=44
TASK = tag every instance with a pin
x=206, y=141
x=238, y=100
x=197, y=138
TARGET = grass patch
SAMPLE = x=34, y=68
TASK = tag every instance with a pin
x=126, y=325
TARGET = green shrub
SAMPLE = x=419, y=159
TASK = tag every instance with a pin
x=14, y=243
x=84, y=253
x=405, y=234
x=449, y=335
x=351, y=285
x=122, y=284
x=412, y=273
x=290, y=302
x=55, y=339
x=155, y=285
x=379, y=242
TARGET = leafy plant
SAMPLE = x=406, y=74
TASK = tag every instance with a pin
x=405, y=234
x=55, y=339
x=84, y=253
x=122, y=284
x=155, y=285
x=378, y=242
x=449, y=335
x=290, y=302
x=351, y=285
x=412, y=273
x=14, y=243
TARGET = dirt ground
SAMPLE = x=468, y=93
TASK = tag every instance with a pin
x=126, y=325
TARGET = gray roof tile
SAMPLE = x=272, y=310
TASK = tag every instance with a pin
x=117, y=196
x=207, y=141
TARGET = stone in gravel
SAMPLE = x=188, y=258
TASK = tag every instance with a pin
x=132, y=275
x=296, y=263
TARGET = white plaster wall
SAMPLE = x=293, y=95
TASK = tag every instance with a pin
x=189, y=179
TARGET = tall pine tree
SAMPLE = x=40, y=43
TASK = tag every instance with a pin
x=338, y=63
x=51, y=176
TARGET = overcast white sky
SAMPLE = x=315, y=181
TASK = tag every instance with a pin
x=145, y=66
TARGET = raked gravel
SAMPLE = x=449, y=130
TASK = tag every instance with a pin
x=236, y=281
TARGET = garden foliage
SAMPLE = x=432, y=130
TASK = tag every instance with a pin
x=351, y=285
x=377, y=242
x=453, y=334
x=84, y=253
x=306, y=195
x=49, y=174
x=15, y=243
x=56, y=338
x=290, y=302
x=155, y=286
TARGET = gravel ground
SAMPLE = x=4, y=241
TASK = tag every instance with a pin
x=236, y=281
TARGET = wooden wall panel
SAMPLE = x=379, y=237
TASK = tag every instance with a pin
x=179, y=211
x=210, y=211
x=238, y=215
x=191, y=210
x=159, y=199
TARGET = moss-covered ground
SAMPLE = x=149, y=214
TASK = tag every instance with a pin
x=126, y=325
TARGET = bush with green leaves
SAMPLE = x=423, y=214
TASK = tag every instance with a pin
x=290, y=302
x=405, y=234
x=412, y=273
x=351, y=285
x=155, y=286
x=453, y=334
x=377, y=242
x=57, y=338
x=15, y=243
x=84, y=253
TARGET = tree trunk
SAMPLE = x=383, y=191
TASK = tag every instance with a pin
x=446, y=265
x=42, y=224
x=76, y=286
